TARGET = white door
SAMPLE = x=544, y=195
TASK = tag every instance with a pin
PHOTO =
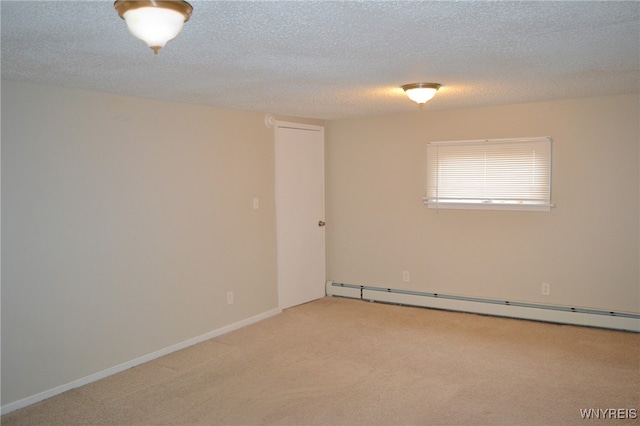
x=299, y=151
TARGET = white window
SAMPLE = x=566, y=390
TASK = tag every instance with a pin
x=500, y=174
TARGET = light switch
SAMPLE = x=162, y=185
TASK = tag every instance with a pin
x=256, y=203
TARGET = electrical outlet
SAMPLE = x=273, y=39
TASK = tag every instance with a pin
x=405, y=276
x=229, y=298
x=546, y=289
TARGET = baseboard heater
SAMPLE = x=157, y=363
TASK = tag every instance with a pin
x=531, y=311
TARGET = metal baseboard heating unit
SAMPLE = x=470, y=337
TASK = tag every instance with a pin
x=503, y=308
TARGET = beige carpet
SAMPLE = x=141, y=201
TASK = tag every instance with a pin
x=347, y=362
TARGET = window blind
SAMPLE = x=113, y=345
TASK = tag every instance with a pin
x=498, y=173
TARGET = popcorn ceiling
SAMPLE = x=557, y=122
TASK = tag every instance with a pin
x=333, y=60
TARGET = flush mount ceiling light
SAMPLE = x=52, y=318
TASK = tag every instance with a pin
x=154, y=21
x=421, y=93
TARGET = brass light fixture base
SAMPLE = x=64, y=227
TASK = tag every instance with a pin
x=180, y=6
x=421, y=86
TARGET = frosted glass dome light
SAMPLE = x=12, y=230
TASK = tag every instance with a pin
x=154, y=22
x=421, y=93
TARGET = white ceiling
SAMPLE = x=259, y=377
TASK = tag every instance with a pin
x=331, y=59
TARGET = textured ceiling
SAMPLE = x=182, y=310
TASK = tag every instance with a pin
x=327, y=59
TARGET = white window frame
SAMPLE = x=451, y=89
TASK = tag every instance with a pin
x=466, y=190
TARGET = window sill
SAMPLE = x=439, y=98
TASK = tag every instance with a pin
x=483, y=205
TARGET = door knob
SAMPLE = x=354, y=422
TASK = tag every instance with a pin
x=321, y=223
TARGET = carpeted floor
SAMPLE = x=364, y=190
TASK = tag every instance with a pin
x=338, y=361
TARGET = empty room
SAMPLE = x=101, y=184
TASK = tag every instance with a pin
x=320, y=212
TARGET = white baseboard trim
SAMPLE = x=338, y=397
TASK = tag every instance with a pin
x=521, y=310
x=16, y=405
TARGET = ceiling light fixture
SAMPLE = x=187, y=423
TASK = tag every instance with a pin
x=421, y=93
x=154, y=21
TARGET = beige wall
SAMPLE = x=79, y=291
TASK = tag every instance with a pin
x=124, y=223
x=587, y=248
